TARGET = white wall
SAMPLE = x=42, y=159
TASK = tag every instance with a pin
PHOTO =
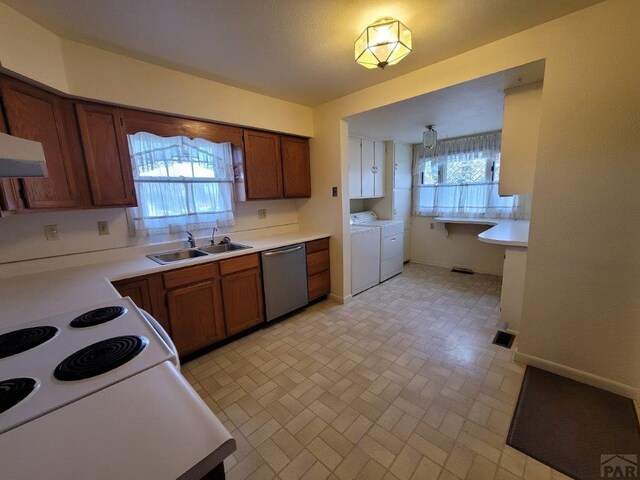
x=356, y=205
x=581, y=305
x=461, y=249
x=22, y=236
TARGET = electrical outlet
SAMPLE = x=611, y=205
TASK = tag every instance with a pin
x=262, y=213
x=103, y=228
x=51, y=232
x=432, y=226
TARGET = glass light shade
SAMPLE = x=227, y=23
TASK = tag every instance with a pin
x=385, y=42
x=429, y=137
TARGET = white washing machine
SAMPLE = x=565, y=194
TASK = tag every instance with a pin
x=391, y=242
x=365, y=258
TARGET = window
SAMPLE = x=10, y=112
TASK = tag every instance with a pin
x=460, y=178
x=181, y=184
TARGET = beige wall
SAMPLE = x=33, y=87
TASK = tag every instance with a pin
x=460, y=249
x=29, y=50
x=581, y=297
x=35, y=53
x=22, y=236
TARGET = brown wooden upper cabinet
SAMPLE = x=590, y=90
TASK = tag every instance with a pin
x=263, y=165
x=106, y=154
x=296, y=170
x=36, y=114
x=277, y=166
x=88, y=158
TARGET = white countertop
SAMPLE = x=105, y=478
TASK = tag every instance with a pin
x=38, y=295
x=511, y=233
x=169, y=440
x=119, y=433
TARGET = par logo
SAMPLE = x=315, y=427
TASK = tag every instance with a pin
x=619, y=466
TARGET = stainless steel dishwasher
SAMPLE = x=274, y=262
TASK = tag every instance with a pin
x=284, y=275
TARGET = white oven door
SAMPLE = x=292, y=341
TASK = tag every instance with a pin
x=165, y=336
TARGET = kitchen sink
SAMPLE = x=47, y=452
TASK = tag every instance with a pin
x=176, y=256
x=223, y=247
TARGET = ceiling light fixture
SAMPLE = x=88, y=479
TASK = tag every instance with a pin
x=429, y=137
x=385, y=42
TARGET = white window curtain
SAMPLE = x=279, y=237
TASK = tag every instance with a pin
x=181, y=184
x=459, y=177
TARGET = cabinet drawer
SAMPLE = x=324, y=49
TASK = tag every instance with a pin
x=238, y=264
x=186, y=276
x=317, y=245
x=319, y=285
x=317, y=262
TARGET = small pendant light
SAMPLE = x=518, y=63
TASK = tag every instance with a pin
x=429, y=137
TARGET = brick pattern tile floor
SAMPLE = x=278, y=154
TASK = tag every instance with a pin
x=401, y=383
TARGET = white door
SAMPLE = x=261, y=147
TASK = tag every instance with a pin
x=403, y=158
x=355, y=168
x=368, y=164
x=402, y=205
x=378, y=169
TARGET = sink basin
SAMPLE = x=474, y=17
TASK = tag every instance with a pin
x=223, y=247
x=176, y=256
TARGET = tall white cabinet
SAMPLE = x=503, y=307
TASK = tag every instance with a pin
x=396, y=205
x=400, y=156
x=366, y=168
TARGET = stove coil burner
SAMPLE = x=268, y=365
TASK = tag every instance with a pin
x=14, y=390
x=100, y=357
x=98, y=316
x=24, y=339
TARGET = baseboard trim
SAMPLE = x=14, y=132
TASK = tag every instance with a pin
x=340, y=299
x=579, y=375
x=449, y=266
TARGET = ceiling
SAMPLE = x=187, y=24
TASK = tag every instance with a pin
x=464, y=109
x=297, y=50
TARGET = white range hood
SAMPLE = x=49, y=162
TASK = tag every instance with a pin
x=21, y=158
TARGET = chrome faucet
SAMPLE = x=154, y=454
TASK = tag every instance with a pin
x=191, y=240
x=213, y=235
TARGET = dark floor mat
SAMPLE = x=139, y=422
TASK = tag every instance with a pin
x=575, y=428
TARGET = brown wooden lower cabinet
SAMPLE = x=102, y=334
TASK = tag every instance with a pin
x=319, y=285
x=205, y=303
x=242, y=293
x=147, y=293
x=195, y=314
x=318, y=272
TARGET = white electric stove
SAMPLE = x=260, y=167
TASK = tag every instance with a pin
x=48, y=364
